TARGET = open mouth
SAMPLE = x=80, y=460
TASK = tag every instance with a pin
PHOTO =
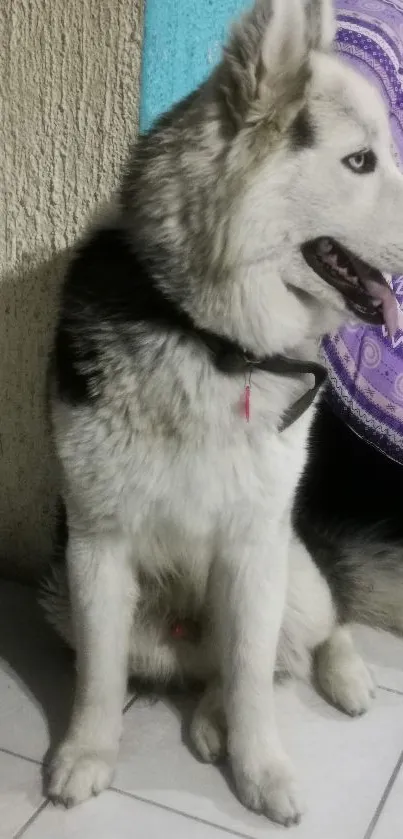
x=364, y=288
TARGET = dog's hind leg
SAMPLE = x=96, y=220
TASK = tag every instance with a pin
x=309, y=616
x=311, y=632
x=102, y=594
x=343, y=675
x=208, y=730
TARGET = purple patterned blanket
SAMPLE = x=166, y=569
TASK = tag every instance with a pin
x=365, y=366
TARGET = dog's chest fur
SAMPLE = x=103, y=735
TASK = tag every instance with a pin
x=173, y=459
x=153, y=439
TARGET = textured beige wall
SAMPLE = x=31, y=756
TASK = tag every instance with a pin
x=69, y=81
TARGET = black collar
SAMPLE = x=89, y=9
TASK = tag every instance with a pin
x=109, y=280
x=229, y=358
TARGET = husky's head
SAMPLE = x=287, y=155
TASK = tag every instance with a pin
x=272, y=192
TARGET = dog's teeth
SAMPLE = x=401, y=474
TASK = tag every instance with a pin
x=332, y=260
x=325, y=247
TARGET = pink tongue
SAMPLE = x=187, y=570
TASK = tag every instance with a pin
x=389, y=303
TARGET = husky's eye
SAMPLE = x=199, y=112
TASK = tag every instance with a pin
x=362, y=162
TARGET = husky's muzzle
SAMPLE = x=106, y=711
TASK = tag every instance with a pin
x=364, y=288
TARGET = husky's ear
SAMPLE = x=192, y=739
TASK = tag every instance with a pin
x=266, y=64
x=321, y=24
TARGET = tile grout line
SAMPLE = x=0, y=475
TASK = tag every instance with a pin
x=388, y=789
x=368, y=834
x=44, y=803
x=130, y=702
x=176, y=812
x=20, y=756
x=31, y=820
x=390, y=690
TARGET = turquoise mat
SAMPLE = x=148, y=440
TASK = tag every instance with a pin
x=182, y=42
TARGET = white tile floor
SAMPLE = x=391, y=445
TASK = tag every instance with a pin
x=351, y=770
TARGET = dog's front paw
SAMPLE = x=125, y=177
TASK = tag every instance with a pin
x=272, y=791
x=77, y=773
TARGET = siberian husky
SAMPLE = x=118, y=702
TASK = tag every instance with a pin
x=181, y=401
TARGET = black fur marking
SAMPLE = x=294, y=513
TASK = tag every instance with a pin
x=105, y=285
x=75, y=385
x=302, y=131
x=108, y=286
x=349, y=490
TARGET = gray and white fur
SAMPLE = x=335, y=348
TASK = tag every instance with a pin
x=175, y=503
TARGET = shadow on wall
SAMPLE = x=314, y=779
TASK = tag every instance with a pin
x=28, y=310
x=40, y=671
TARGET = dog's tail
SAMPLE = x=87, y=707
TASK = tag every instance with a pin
x=366, y=580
